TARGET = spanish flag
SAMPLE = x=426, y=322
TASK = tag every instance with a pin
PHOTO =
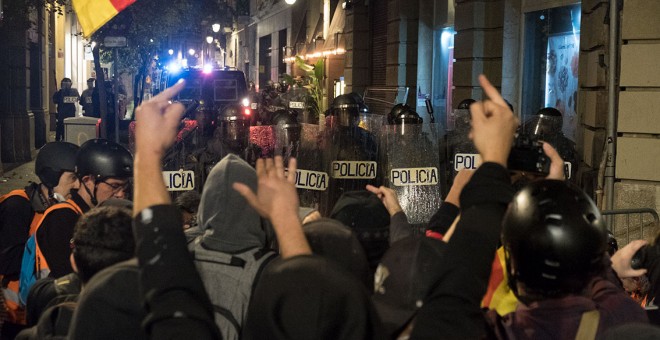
x=92, y=14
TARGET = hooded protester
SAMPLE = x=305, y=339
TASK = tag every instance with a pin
x=234, y=246
x=310, y=297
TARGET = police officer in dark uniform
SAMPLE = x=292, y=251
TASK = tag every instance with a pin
x=65, y=99
x=86, y=100
x=232, y=135
x=546, y=125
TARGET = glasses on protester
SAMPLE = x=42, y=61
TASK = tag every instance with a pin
x=117, y=187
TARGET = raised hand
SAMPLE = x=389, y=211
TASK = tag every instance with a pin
x=388, y=197
x=493, y=125
x=157, y=121
x=277, y=200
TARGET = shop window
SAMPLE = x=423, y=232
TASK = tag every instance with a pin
x=550, y=69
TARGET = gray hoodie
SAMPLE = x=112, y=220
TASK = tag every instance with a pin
x=230, y=225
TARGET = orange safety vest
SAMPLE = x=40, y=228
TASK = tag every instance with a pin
x=16, y=312
x=42, y=265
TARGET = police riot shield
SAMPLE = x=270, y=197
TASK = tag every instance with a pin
x=350, y=155
x=411, y=165
x=301, y=141
x=262, y=138
x=461, y=152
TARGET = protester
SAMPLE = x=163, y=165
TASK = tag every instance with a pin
x=102, y=237
x=188, y=204
x=22, y=209
x=103, y=168
x=234, y=247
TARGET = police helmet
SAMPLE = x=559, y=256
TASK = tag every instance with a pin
x=102, y=158
x=546, y=122
x=53, y=159
x=288, y=128
x=347, y=108
x=234, y=125
x=402, y=114
x=554, y=240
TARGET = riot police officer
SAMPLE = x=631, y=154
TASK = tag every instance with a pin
x=232, y=135
x=546, y=125
x=65, y=99
x=287, y=133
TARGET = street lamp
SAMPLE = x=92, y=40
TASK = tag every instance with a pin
x=191, y=51
x=209, y=39
x=290, y=2
x=170, y=51
x=216, y=27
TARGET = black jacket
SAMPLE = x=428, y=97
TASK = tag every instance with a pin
x=453, y=308
x=174, y=295
x=55, y=233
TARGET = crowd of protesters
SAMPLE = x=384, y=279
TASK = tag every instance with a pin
x=244, y=260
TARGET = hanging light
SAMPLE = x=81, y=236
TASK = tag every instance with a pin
x=209, y=39
x=290, y=2
x=216, y=28
x=191, y=51
x=170, y=51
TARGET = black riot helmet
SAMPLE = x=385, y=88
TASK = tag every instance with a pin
x=554, y=241
x=53, y=159
x=546, y=123
x=465, y=104
x=347, y=109
x=234, y=126
x=402, y=114
x=102, y=158
x=287, y=127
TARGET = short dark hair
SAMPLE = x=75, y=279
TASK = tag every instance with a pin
x=102, y=237
x=188, y=201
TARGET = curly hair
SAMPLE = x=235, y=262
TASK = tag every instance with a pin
x=102, y=237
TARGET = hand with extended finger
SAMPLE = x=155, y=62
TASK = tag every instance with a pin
x=388, y=197
x=157, y=121
x=493, y=125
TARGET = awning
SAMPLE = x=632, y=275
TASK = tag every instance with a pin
x=335, y=39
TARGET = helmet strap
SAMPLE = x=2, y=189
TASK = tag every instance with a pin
x=92, y=197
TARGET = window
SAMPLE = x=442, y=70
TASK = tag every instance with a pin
x=550, y=69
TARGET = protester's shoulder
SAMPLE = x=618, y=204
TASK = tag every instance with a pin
x=123, y=270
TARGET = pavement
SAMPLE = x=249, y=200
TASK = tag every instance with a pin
x=17, y=176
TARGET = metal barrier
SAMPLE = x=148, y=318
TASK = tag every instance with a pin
x=624, y=215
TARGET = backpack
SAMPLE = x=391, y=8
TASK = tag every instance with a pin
x=229, y=280
x=31, y=267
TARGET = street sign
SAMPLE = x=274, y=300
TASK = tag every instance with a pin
x=114, y=41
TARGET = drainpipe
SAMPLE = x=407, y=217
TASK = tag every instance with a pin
x=611, y=113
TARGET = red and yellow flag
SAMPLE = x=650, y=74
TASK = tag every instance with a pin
x=92, y=14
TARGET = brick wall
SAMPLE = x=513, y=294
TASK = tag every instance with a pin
x=638, y=123
x=478, y=46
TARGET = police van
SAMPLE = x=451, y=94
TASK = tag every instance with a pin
x=208, y=91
